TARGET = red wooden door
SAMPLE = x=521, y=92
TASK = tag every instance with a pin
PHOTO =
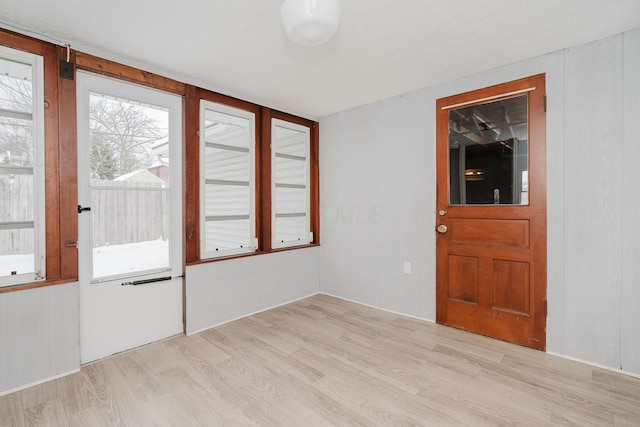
x=491, y=212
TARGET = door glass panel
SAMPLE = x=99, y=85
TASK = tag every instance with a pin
x=129, y=184
x=488, y=153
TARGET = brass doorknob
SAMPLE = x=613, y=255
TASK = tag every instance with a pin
x=442, y=228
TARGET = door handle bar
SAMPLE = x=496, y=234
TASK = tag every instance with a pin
x=145, y=281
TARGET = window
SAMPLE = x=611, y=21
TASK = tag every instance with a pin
x=290, y=189
x=227, y=180
x=251, y=178
x=22, y=218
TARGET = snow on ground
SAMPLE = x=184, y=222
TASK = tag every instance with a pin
x=107, y=260
x=22, y=264
x=130, y=258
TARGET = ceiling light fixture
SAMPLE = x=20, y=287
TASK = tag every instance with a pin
x=310, y=22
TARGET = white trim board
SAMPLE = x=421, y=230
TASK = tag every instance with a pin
x=35, y=383
x=595, y=365
x=380, y=308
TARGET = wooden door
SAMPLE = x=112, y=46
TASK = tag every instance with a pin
x=491, y=212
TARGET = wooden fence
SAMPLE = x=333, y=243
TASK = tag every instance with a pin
x=16, y=204
x=121, y=212
x=128, y=212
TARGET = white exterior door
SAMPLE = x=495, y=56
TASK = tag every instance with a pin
x=130, y=215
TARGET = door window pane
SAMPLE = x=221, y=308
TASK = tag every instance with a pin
x=129, y=183
x=488, y=160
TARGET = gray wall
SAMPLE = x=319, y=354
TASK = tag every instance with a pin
x=378, y=199
x=218, y=292
x=39, y=335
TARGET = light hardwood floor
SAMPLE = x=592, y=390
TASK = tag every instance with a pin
x=325, y=361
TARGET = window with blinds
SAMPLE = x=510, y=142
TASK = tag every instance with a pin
x=227, y=180
x=290, y=184
x=22, y=218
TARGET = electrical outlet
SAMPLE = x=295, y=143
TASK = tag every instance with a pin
x=407, y=267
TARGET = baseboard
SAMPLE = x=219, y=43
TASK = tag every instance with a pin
x=380, y=308
x=249, y=314
x=595, y=365
x=22, y=387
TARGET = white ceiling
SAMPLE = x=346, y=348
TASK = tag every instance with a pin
x=383, y=47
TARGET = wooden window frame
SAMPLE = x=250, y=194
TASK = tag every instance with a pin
x=61, y=169
x=265, y=183
x=252, y=116
x=263, y=174
x=61, y=222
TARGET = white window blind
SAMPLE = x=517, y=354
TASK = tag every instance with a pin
x=290, y=184
x=227, y=180
x=22, y=216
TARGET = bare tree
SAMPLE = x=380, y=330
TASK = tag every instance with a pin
x=16, y=135
x=121, y=133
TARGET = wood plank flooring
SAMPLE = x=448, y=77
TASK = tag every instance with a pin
x=323, y=361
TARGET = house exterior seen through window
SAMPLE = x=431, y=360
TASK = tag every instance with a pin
x=227, y=180
x=290, y=180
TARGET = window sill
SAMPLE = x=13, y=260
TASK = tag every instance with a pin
x=34, y=285
x=252, y=254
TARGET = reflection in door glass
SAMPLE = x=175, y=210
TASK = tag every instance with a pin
x=129, y=182
x=488, y=160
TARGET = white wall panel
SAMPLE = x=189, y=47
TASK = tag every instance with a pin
x=330, y=165
x=593, y=201
x=218, y=292
x=631, y=204
x=39, y=336
x=352, y=212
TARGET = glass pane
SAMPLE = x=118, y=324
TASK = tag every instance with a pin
x=16, y=194
x=227, y=200
x=290, y=171
x=16, y=141
x=291, y=189
x=227, y=129
x=488, y=160
x=228, y=188
x=290, y=200
x=290, y=141
x=17, y=150
x=129, y=181
x=228, y=165
x=15, y=86
x=16, y=251
x=232, y=234
x=290, y=229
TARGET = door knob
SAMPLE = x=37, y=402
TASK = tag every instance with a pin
x=442, y=229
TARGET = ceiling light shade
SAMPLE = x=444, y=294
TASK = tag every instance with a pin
x=310, y=22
